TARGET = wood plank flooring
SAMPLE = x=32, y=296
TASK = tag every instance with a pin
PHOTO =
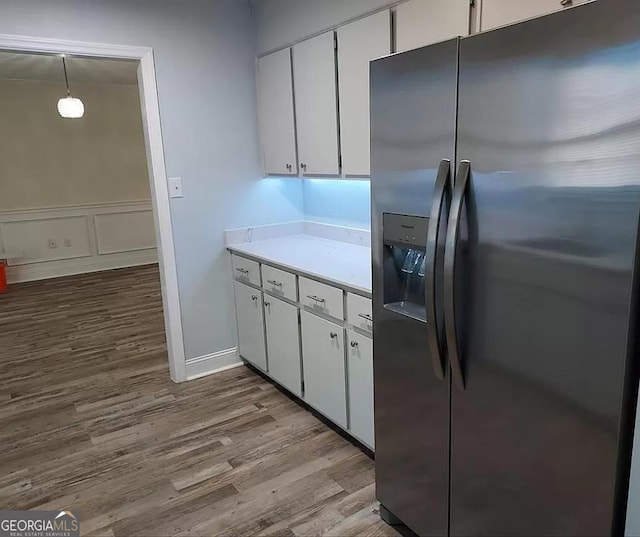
x=90, y=421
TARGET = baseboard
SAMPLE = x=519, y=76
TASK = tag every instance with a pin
x=81, y=265
x=208, y=364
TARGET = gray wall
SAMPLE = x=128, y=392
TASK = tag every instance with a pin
x=204, y=53
x=281, y=22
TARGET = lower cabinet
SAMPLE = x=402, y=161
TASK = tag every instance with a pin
x=360, y=381
x=283, y=343
x=250, y=319
x=324, y=367
x=284, y=329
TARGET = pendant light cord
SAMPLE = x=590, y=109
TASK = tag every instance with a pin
x=66, y=78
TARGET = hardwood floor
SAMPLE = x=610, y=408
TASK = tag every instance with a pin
x=91, y=422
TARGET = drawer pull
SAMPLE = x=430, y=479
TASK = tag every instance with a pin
x=354, y=344
x=366, y=316
x=273, y=282
x=242, y=270
x=333, y=335
x=317, y=299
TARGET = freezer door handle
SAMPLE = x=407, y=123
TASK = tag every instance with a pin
x=453, y=231
x=441, y=193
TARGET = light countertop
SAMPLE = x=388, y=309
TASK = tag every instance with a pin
x=343, y=264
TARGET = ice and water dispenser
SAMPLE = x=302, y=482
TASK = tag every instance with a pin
x=405, y=238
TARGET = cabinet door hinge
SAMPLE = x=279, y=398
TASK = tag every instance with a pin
x=335, y=41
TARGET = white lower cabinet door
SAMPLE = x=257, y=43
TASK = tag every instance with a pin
x=250, y=319
x=323, y=361
x=360, y=374
x=283, y=343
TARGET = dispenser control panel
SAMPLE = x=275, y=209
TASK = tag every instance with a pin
x=405, y=229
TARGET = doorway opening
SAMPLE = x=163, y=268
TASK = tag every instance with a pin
x=112, y=219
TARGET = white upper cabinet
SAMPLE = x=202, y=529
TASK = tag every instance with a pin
x=495, y=13
x=275, y=114
x=314, y=75
x=358, y=44
x=423, y=22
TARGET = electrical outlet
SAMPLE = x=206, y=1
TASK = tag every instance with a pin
x=67, y=242
x=52, y=244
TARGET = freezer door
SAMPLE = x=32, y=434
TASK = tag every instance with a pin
x=549, y=120
x=413, y=109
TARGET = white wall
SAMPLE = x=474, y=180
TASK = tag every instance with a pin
x=204, y=53
x=281, y=22
x=48, y=243
x=47, y=161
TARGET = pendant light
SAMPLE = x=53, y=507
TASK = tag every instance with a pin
x=69, y=107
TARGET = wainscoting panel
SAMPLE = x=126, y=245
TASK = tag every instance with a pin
x=49, y=239
x=125, y=232
x=47, y=243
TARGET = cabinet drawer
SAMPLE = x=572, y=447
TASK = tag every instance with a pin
x=245, y=270
x=321, y=298
x=359, y=312
x=279, y=283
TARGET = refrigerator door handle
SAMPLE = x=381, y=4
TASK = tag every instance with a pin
x=453, y=229
x=437, y=346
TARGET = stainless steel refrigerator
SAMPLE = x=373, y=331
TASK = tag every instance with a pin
x=505, y=207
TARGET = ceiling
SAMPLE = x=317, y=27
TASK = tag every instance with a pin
x=46, y=67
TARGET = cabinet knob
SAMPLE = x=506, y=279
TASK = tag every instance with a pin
x=303, y=166
x=288, y=166
x=254, y=297
x=333, y=335
x=267, y=304
x=354, y=344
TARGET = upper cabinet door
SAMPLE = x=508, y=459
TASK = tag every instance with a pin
x=495, y=13
x=314, y=75
x=275, y=114
x=358, y=43
x=423, y=22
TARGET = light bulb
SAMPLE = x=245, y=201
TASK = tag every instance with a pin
x=70, y=107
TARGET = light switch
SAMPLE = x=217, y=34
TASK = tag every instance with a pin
x=175, y=187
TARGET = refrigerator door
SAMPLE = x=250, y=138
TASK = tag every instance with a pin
x=549, y=120
x=413, y=110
